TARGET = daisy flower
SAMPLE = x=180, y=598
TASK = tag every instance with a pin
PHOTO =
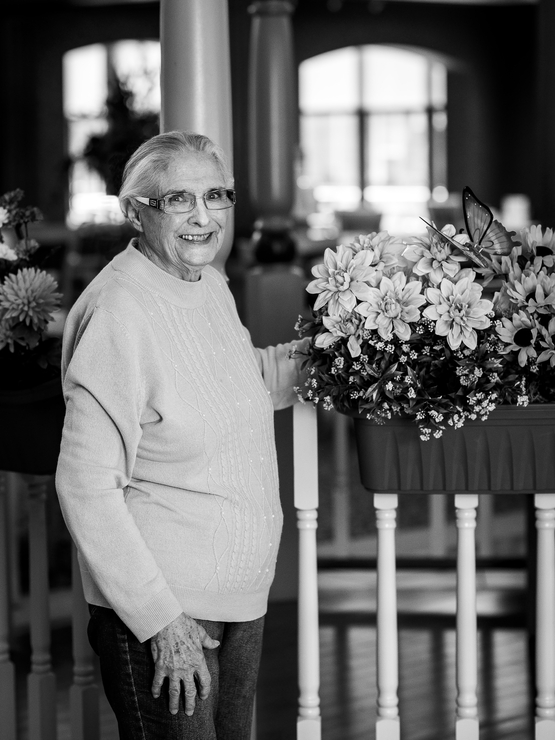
x=458, y=311
x=519, y=334
x=342, y=279
x=392, y=306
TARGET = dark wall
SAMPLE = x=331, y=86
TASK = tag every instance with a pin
x=491, y=83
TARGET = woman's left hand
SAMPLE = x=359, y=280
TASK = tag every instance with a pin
x=178, y=655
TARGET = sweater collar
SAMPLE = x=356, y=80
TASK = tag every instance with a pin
x=178, y=292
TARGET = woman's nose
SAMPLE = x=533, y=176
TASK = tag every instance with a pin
x=200, y=214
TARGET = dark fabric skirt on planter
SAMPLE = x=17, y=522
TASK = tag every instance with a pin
x=513, y=451
x=31, y=424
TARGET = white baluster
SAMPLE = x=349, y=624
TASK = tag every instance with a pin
x=41, y=682
x=340, y=494
x=7, y=671
x=305, y=451
x=467, y=726
x=387, y=723
x=83, y=695
x=545, y=629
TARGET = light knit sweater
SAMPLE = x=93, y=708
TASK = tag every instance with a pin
x=167, y=475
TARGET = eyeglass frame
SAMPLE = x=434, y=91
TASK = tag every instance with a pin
x=160, y=203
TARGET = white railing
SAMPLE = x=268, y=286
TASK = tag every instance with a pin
x=41, y=711
x=389, y=715
x=41, y=692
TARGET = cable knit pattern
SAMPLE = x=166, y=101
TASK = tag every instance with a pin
x=167, y=475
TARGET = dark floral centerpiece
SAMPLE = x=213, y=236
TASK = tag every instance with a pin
x=28, y=299
x=438, y=328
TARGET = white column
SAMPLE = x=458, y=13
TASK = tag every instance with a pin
x=387, y=723
x=467, y=726
x=7, y=671
x=545, y=626
x=196, y=77
x=83, y=695
x=305, y=451
x=41, y=682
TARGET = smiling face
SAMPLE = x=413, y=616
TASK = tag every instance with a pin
x=183, y=243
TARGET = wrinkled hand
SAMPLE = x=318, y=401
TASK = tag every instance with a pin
x=178, y=655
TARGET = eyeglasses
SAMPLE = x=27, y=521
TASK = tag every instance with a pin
x=183, y=202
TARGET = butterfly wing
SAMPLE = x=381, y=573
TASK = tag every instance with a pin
x=472, y=251
x=484, y=231
x=477, y=216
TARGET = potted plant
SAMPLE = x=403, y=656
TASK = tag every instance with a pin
x=442, y=347
x=31, y=399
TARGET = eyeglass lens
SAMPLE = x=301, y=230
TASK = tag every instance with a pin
x=214, y=200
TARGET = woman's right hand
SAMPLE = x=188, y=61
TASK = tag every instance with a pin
x=178, y=655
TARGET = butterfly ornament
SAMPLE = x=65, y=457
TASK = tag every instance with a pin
x=486, y=236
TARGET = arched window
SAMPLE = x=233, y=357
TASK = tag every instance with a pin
x=373, y=131
x=97, y=79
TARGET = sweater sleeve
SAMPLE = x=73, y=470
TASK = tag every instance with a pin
x=102, y=429
x=281, y=370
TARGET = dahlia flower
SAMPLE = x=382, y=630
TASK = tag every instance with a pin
x=392, y=306
x=342, y=279
x=29, y=296
x=435, y=259
x=458, y=311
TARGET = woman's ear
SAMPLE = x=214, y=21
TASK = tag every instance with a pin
x=134, y=216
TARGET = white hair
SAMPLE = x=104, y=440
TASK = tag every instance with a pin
x=142, y=173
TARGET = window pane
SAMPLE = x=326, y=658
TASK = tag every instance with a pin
x=397, y=152
x=329, y=82
x=85, y=81
x=438, y=74
x=393, y=79
x=330, y=158
x=137, y=63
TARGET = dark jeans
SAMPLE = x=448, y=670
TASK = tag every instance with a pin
x=127, y=669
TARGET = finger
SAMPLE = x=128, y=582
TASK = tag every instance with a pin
x=157, y=682
x=190, y=696
x=204, y=681
x=205, y=640
x=175, y=690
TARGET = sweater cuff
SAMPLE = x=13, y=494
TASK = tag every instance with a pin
x=153, y=616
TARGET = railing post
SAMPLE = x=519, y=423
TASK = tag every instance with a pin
x=545, y=616
x=83, y=695
x=41, y=682
x=467, y=726
x=7, y=671
x=387, y=722
x=305, y=451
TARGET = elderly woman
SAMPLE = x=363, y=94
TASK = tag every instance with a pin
x=167, y=474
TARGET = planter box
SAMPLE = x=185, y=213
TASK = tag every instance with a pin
x=31, y=429
x=512, y=452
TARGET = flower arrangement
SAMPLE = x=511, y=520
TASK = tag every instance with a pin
x=28, y=299
x=438, y=328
